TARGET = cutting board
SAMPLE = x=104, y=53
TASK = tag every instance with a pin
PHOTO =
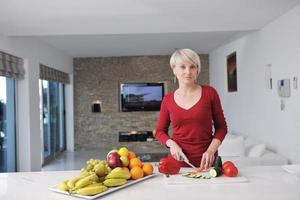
x=179, y=179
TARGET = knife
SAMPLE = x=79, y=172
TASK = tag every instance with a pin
x=190, y=164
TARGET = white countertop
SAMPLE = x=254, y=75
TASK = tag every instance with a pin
x=268, y=182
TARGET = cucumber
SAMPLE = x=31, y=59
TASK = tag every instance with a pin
x=215, y=172
x=198, y=176
x=192, y=175
x=206, y=177
x=218, y=162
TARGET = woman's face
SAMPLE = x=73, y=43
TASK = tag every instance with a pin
x=186, y=73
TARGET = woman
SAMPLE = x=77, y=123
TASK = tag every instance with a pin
x=193, y=111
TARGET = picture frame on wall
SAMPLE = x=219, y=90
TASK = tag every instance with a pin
x=231, y=72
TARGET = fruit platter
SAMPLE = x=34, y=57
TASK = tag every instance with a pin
x=99, y=177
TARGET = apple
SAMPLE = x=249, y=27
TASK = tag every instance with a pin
x=112, y=151
x=114, y=160
x=112, y=154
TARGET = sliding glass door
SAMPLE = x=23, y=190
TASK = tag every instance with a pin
x=7, y=125
x=53, y=120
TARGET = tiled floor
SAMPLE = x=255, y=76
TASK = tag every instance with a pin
x=76, y=160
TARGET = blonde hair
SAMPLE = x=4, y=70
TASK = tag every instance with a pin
x=185, y=56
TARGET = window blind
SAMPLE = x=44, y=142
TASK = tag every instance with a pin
x=50, y=74
x=11, y=66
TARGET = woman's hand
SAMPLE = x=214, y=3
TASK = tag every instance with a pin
x=208, y=157
x=176, y=151
x=207, y=160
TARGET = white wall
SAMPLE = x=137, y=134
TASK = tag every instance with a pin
x=29, y=135
x=255, y=110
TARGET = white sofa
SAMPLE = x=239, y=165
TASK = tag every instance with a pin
x=245, y=151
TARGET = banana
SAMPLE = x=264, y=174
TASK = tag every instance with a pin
x=91, y=190
x=63, y=185
x=94, y=184
x=71, y=182
x=94, y=177
x=84, y=173
x=86, y=181
x=118, y=172
x=114, y=182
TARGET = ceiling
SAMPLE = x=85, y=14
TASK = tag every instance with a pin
x=88, y=28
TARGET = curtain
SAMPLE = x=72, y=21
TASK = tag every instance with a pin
x=11, y=66
x=50, y=74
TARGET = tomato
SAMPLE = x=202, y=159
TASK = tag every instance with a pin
x=230, y=170
x=227, y=163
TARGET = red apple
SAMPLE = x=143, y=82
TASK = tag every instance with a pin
x=114, y=162
x=112, y=151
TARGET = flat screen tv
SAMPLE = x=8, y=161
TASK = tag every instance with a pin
x=141, y=96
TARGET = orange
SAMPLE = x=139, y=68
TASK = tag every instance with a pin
x=135, y=162
x=136, y=173
x=131, y=155
x=148, y=169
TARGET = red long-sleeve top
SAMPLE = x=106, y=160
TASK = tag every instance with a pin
x=192, y=128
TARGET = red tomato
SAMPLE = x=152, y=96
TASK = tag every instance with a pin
x=227, y=163
x=230, y=171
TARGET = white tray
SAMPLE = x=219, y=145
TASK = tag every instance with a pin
x=110, y=190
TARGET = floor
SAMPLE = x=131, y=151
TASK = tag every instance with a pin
x=74, y=160
x=77, y=160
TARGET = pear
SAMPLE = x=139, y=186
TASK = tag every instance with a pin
x=100, y=169
x=124, y=160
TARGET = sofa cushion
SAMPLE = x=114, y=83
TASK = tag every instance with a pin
x=257, y=150
x=232, y=145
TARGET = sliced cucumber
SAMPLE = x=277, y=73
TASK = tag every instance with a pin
x=193, y=175
x=187, y=174
x=215, y=172
x=206, y=177
x=198, y=176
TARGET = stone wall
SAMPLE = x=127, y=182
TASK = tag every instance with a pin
x=98, y=79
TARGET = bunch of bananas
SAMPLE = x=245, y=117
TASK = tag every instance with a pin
x=84, y=185
x=118, y=176
x=95, y=178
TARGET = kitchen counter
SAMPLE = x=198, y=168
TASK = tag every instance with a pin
x=265, y=183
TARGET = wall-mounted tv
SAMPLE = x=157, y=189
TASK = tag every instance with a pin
x=141, y=96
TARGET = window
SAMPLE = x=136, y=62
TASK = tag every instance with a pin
x=232, y=72
x=52, y=111
x=11, y=69
x=7, y=125
x=53, y=118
